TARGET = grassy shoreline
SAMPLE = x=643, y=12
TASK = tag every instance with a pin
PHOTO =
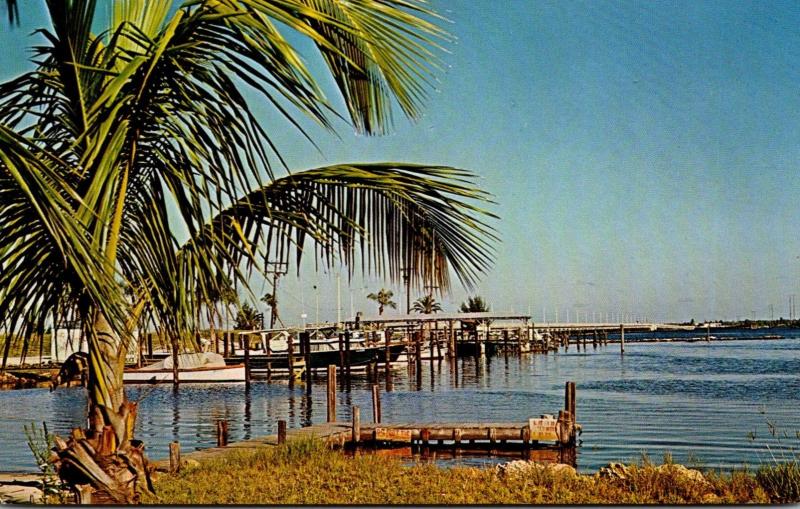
x=307, y=472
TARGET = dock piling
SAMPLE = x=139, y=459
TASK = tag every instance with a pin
x=175, y=367
x=621, y=338
x=281, y=432
x=331, y=393
x=356, y=425
x=247, y=364
x=376, y=404
x=222, y=433
x=290, y=355
x=174, y=457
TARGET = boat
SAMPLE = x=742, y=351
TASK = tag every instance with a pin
x=203, y=367
x=272, y=354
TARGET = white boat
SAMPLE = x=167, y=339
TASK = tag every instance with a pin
x=204, y=367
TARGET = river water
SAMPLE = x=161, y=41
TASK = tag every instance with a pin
x=708, y=404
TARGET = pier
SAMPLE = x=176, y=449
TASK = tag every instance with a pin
x=546, y=433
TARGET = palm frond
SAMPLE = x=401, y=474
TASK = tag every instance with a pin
x=382, y=217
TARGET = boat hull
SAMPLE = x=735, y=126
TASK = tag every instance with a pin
x=227, y=374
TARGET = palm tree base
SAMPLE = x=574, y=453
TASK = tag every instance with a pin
x=100, y=471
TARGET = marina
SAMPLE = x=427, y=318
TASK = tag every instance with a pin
x=699, y=400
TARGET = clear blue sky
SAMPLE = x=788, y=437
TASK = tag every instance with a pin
x=643, y=155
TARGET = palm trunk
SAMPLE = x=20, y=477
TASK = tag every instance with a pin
x=103, y=463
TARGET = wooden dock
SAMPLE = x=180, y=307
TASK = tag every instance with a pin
x=544, y=432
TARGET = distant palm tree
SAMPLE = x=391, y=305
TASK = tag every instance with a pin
x=475, y=305
x=271, y=300
x=247, y=318
x=426, y=305
x=383, y=298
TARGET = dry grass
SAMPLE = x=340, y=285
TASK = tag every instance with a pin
x=309, y=473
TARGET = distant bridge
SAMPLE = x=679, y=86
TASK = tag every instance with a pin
x=629, y=326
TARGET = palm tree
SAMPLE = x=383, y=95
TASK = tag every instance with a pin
x=426, y=305
x=271, y=300
x=474, y=305
x=383, y=298
x=247, y=318
x=116, y=140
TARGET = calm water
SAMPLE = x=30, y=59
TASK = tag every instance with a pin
x=697, y=400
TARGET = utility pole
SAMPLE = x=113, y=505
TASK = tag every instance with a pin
x=279, y=269
x=406, y=272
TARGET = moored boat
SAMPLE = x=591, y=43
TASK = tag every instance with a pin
x=204, y=367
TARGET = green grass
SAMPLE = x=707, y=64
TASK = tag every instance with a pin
x=309, y=473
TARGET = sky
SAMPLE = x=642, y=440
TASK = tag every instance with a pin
x=642, y=156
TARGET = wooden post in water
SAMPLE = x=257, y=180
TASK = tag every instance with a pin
x=222, y=433
x=290, y=354
x=452, y=348
x=247, y=363
x=387, y=359
x=376, y=404
x=594, y=339
x=418, y=349
x=305, y=345
x=356, y=425
x=149, y=345
x=175, y=366
x=569, y=398
x=621, y=338
x=347, y=357
x=174, y=457
x=431, y=343
x=281, y=432
x=331, y=393
x=708, y=331
x=341, y=352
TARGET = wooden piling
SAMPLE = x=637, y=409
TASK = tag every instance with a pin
x=569, y=398
x=453, y=348
x=376, y=404
x=621, y=338
x=331, y=393
x=174, y=457
x=149, y=345
x=387, y=359
x=425, y=436
x=708, y=331
x=341, y=352
x=347, y=358
x=418, y=349
x=247, y=364
x=225, y=352
x=281, y=432
x=290, y=355
x=305, y=339
x=222, y=433
x=356, y=436
x=175, y=367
